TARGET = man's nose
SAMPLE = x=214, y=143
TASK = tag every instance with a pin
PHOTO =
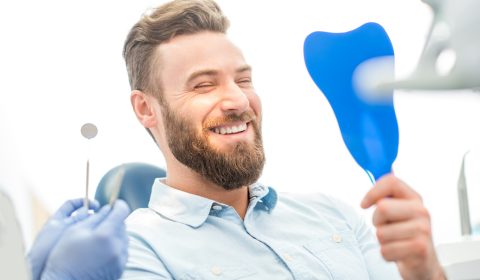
x=234, y=99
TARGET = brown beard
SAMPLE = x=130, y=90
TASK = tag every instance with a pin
x=233, y=169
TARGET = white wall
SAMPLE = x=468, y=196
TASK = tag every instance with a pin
x=61, y=66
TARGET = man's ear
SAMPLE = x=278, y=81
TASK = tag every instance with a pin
x=144, y=108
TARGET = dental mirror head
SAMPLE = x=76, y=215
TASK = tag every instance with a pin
x=89, y=130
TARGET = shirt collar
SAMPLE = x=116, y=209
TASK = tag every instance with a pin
x=262, y=195
x=193, y=210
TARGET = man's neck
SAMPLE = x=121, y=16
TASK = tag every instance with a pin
x=184, y=179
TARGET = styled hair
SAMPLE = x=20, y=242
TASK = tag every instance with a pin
x=178, y=17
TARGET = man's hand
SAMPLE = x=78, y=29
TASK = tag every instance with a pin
x=403, y=228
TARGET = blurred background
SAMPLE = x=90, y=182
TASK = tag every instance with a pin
x=61, y=66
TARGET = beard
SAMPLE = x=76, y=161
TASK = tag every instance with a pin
x=240, y=166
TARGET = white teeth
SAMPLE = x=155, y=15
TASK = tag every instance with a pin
x=231, y=129
x=242, y=127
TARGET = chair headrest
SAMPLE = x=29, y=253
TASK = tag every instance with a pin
x=135, y=187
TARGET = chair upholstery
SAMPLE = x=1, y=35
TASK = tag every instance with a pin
x=135, y=187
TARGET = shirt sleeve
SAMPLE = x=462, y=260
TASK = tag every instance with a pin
x=376, y=265
x=142, y=262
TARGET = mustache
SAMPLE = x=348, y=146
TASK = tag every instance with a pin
x=247, y=116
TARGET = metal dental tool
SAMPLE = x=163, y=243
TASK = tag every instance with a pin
x=88, y=131
x=465, y=223
x=114, y=185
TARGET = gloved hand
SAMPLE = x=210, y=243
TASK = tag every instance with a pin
x=53, y=230
x=94, y=248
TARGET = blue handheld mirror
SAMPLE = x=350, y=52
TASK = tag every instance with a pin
x=339, y=65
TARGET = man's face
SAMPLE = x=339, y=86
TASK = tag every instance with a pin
x=211, y=113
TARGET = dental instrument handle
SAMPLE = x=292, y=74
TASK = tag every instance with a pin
x=85, y=200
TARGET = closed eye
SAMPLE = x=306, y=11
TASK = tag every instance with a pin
x=203, y=87
x=245, y=82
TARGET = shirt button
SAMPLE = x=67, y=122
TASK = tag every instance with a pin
x=337, y=238
x=287, y=257
x=217, y=207
x=217, y=271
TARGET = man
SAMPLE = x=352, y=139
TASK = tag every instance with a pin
x=192, y=90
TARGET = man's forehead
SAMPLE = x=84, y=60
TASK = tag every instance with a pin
x=205, y=51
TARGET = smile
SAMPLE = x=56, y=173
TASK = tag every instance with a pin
x=224, y=130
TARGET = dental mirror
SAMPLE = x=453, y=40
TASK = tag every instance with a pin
x=89, y=131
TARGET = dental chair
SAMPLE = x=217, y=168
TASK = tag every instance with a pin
x=135, y=186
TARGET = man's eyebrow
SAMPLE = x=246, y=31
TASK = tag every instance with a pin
x=205, y=72
x=245, y=68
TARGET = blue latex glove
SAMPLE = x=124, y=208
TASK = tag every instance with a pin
x=53, y=230
x=94, y=248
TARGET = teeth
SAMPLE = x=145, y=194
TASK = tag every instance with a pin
x=230, y=129
x=242, y=127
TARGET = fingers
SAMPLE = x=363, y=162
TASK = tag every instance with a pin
x=418, y=248
x=67, y=208
x=107, y=217
x=94, y=220
x=403, y=230
x=80, y=215
x=116, y=217
x=397, y=210
x=403, y=227
x=71, y=206
x=388, y=186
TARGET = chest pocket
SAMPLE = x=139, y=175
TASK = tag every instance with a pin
x=220, y=272
x=340, y=254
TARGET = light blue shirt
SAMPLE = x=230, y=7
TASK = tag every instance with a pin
x=284, y=236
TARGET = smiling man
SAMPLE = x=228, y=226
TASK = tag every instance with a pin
x=209, y=218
